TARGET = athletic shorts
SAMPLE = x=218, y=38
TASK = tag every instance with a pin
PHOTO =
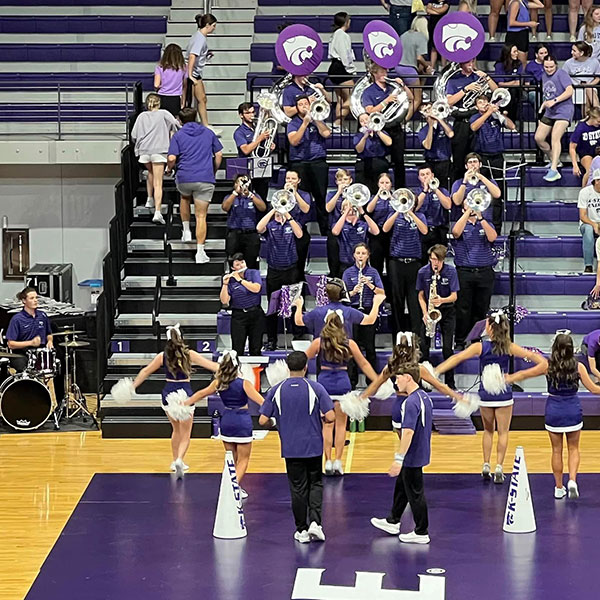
x=520, y=39
x=153, y=158
x=199, y=191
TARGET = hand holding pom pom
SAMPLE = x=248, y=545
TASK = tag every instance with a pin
x=385, y=390
x=354, y=406
x=424, y=384
x=469, y=404
x=123, y=391
x=276, y=372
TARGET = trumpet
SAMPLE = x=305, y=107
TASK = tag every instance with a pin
x=244, y=185
x=440, y=109
x=403, y=200
x=358, y=194
x=472, y=178
x=478, y=200
x=500, y=97
x=384, y=194
x=320, y=108
x=283, y=201
x=376, y=122
x=434, y=184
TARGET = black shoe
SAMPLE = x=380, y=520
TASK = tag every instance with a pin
x=270, y=346
x=459, y=346
x=588, y=269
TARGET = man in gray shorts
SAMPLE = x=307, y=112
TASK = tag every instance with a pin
x=196, y=153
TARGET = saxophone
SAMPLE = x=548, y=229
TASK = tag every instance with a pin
x=433, y=314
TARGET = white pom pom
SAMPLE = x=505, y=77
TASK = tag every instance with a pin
x=427, y=386
x=175, y=407
x=385, y=390
x=354, y=406
x=469, y=404
x=276, y=372
x=247, y=372
x=492, y=379
x=123, y=391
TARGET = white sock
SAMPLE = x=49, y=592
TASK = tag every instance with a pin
x=150, y=198
x=156, y=212
x=200, y=247
x=186, y=225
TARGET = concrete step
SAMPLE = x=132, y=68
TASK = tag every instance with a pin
x=137, y=359
x=135, y=320
x=222, y=46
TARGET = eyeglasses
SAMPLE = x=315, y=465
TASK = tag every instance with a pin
x=249, y=112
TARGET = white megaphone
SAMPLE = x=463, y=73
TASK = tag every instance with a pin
x=229, y=521
x=519, y=516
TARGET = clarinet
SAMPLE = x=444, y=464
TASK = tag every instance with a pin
x=362, y=287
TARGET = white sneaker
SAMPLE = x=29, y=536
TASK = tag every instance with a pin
x=150, y=203
x=179, y=468
x=560, y=492
x=337, y=467
x=302, y=536
x=316, y=533
x=492, y=38
x=158, y=218
x=573, y=489
x=185, y=467
x=186, y=236
x=572, y=39
x=201, y=257
x=243, y=493
x=385, y=525
x=498, y=474
x=414, y=538
x=328, y=467
x=486, y=471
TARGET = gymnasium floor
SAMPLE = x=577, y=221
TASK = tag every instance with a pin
x=90, y=518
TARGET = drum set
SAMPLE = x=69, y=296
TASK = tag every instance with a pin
x=27, y=398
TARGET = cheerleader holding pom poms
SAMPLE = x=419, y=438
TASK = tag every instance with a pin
x=495, y=390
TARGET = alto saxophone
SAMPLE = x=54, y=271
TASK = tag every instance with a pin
x=433, y=314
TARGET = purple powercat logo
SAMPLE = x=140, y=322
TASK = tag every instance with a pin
x=459, y=37
x=299, y=49
x=382, y=44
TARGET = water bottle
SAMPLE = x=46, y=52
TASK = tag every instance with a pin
x=438, y=339
x=216, y=424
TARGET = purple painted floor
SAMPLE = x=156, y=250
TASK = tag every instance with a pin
x=149, y=537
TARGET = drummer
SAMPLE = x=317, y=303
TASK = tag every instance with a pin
x=29, y=328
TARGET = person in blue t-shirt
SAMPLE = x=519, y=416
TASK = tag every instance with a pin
x=299, y=406
x=584, y=144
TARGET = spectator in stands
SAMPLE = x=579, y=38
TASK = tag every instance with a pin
x=300, y=86
x=493, y=17
x=198, y=55
x=414, y=50
x=301, y=214
x=590, y=30
x=243, y=137
x=170, y=79
x=371, y=150
x=519, y=24
x=584, y=144
x=547, y=19
x=535, y=70
x=588, y=204
x=243, y=207
x=581, y=67
x=379, y=209
x=400, y=14
x=333, y=206
x=151, y=133
x=308, y=155
x=280, y=231
x=558, y=105
x=435, y=10
x=342, y=68
x=196, y=153
x=468, y=7
x=435, y=138
x=241, y=292
x=508, y=72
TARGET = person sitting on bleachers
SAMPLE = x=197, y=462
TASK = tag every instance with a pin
x=508, y=75
x=435, y=138
x=583, y=69
x=535, y=70
x=588, y=204
x=371, y=150
x=584, y=144
x=170, y=79
x=590, y=30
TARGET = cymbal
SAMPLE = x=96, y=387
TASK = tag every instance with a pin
x=74, y=344
x=67, y=332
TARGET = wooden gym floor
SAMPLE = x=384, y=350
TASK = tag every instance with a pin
x=43, y=476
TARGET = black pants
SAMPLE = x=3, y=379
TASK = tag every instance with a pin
x=442, y=169
x=437, y=234
x=410, y=490
x=461, y=146
x=397, y=151
x=306, y=486
x=275, y=279
x=368, y=170
x=473, y=304
x=379, y=246
x=260, y=185
x=245, y=241
x=171, y=104
x=447, y=325
x=302, y=249
x=493, y=167
x=333, y=255
x=364, y=336
x=403, y=281
x=315, y=178
x=248, y=325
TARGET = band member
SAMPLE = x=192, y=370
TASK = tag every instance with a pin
x=280, y=231
x=446, y=287
x=176, y=360
x=588, y=204
x=375, y=99
x=496, y=407
x=351, y=229
x=299, y=406
x=29, y=328
x=243, y=206
x=363, y=283
x=243, y=136
x=314, y=320
x=371, y=148
x=335, y=351
x=241, y=291
x=584, y=144
x=301, y=214
x=463, y=85
x=333, y=206
x=198, y=54
x=474, y=260
x=300, y=86
x=462, y=188
x=558, y=111
x=308, y=154
x=379, y=209
x=435, y=138
x=407, y=230
x=435, y=205
x=197, y=153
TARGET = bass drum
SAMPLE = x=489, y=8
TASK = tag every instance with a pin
x=25, y=403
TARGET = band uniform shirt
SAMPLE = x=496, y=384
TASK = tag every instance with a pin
x=592, y=340
x=241, y=296
x=315, y=319
x=458, y=83
x=589, y=199
x=374, y=94
x=374, y=147
x=472, y=248
x=349, y=236
x=292, y=91
x=297, y=404
x=381, y=212
x=415, y=412
x=23, y=327
x=312, y=146
x=441, y=147
x=552, y=87
x=336, y=213
x=281, y=245
x=242, y=214
x=488, y=139
x=198, y=45
x=432, y=208
x=406, y=237
x=296, y=213
x=244, y=134
x=350, y=277
x=447, y=282
x=586, y=139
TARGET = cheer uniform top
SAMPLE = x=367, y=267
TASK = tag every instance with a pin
x=181, y=381
x=486, y=358
x=236, y=422
x=334, y=376
x=563, y=408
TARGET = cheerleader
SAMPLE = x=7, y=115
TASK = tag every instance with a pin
x=563, y=413
x=236, y=422
x=379, y=210
x=333, y=207
x=335, y=350
x=496, y=396
x=176, y=360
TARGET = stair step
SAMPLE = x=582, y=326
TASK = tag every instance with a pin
x=135, y=320
x=181, y=266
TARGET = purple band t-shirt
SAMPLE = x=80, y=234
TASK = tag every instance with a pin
x=312, y=146
x=241, y=136
x=241, y=296
x=447, y=281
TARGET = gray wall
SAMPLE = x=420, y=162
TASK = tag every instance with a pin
x=67, y=209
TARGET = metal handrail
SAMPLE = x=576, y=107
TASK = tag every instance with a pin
x=156, y=310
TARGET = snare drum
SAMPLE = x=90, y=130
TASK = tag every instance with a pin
x=42, y=361
x=25, y=402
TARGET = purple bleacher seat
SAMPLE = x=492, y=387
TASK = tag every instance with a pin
x=17, y=3
x=532, y=284
x=79, y=24
x=80, y=52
